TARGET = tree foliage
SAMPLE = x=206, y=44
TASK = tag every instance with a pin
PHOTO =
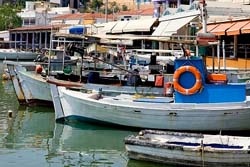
x=114, y=7
x=95, y=5
x=124, y=8
x=8, y=18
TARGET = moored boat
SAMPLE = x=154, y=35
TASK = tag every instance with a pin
x=36, y=88
x=188, y=148
x=202, y=102
x=13, y=54
x=12, y=68
x=30, y=84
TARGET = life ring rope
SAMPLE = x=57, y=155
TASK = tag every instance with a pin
x=196, y=86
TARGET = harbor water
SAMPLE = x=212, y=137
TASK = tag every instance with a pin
x=29, y=136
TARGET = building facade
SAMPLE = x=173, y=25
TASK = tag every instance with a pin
x=39, y=13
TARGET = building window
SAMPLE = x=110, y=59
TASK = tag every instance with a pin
x=29, y=21
x=32, y=21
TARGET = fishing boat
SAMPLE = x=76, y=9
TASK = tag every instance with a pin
x=32, y=84
x=202, y=102
x=36, y=88
x=29, y=84
x=189, y=149
x=12, y=68
x=56, y=59
x=13, y=54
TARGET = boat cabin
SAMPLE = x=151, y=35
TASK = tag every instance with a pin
x=193, y=84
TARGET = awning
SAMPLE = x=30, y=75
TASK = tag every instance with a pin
x=127, y=42
x=170, y=27
x=210, y=27
x=246, y=29
x=141, y=25
x=235, y=29
x=221, y=28
x=159, y=30
x=118, y=28
x=107, y=27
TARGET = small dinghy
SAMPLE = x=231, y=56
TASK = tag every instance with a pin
x=189, y=148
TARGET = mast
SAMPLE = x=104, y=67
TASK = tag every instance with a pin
x=203, y=15
x=206, y=38
x=203, y=38
x=106, y=11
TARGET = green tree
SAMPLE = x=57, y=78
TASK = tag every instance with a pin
x=85, y=6
x=95, y=5
x=124, y=8
x=114, y=7
x=8, y=18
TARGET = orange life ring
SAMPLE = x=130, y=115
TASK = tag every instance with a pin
x=197, y=84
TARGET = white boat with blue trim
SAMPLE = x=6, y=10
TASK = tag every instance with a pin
x=188, y=149
x=202, y=102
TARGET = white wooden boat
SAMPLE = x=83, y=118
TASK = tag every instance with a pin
x=33, y=88
x=36, y=88
x=13, y=54
x=12, y=68
x=212, y=107
x=189, y=148
x=157, y=113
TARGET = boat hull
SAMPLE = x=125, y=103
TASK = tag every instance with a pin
x=185, y=150
x=11, y=54
x=191, y=158
x=172, y=116
x=35, y=88
x=13, y=67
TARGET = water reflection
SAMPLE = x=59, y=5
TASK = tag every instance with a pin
x=28, y=127
x=86, y=145
x=25, y=136
x=30, y=136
